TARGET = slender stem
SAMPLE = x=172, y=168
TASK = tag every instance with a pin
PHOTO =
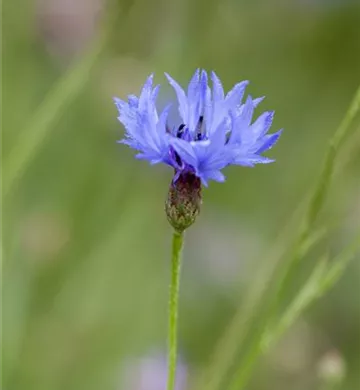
x=177, y=244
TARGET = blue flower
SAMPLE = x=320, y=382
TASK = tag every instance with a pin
x=216, y=130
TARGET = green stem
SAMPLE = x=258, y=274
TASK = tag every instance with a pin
x=177, y=244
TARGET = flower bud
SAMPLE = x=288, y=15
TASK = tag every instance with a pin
x=183, y=202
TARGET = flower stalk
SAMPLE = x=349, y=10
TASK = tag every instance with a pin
x=177, y=245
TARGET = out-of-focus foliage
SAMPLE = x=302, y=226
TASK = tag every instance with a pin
x=86, y=243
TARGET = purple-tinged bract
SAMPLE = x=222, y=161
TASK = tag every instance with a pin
x=216, y=130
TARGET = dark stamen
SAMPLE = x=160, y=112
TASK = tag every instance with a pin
x=178, y=159
x=179, y=134
x=227, y=139
x=180, y=131
x=198, y=135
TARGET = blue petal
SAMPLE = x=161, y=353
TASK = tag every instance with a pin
x=183, y=103
x=258, y=100
x=119, y=103
x=268, y=142
x=203, y=181
x=219, y=110
x=161, y=125
x=216, y=155
x=149, y=156
x=208, y=108
x=218, y=90
x=185, y=151
x=262, y=160
x=215, y=175
x=131, y=143
x=240, y=120
x=217, y=161
x=250, y=160
x=203, y=86
x=201, y=150
x=243, y=161
x=128, y=116
x=262, y=124
x=193, y=85
x=133, y=101
x=155, y=93
x=146, y=93
x=194, y=102
x=247, y=112
x=218, y=137
x=234, y=97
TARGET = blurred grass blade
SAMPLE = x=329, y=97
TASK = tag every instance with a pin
x=340, y=264
x=241, y=324
x=286, y=271
x=323, y=183
x=59, y=97
x=307, y=294
x=320, y=191
x=343, y=130
x=320, y=281
x=311, y=241
x=262, y=339
x=227, y=349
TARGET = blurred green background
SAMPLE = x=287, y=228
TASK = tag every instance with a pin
x=85, y=240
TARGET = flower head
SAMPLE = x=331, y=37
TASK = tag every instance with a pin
x=216, y=130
